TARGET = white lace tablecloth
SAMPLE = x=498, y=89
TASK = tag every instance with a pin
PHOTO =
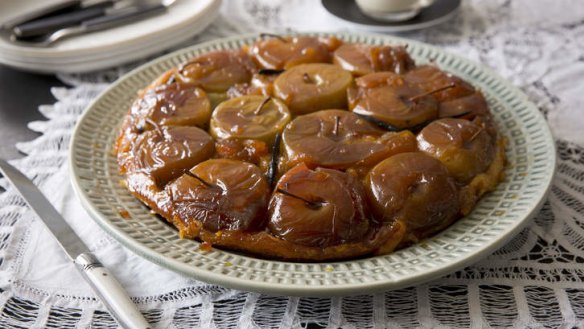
x=535, y=281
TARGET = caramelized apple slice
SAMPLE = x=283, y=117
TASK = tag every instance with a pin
x=318, y=208
x=126, y=138
x=246, y=127
x=249, y=150
x=361, y=59
x=217, y=71
x=166, y=78
x=175, y=104
x=414, y=189
x=333, y=139
x=216, y=99
x=242, y=89
x=262, y=83
x=394, y=142
x=311, y=87
x=467, y=107
x=429, y=78
x=386, y=97
x=285, y=52
x=249, y=117
x=464, y=147
x=473, y=107
x=165, y=153
x=220, y=194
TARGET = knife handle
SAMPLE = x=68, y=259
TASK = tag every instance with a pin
x=111, y=292
x=52, y=23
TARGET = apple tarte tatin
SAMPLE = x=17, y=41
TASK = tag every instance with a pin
x=309, y=148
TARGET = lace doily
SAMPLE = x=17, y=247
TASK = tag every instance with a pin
x=536, y=280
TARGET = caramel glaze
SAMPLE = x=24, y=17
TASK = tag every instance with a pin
x=340, y=186
x=360, y=59
x=285, y=52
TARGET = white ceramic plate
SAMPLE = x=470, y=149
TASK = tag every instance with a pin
x=110, y=47
x=101, y=61
x=496, y=218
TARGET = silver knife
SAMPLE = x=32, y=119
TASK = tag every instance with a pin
x=100, y=278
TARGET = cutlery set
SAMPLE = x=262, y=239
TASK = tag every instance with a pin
x=44, y=27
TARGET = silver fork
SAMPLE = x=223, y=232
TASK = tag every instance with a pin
x=121, y=17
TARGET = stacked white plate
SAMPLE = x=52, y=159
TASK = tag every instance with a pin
x=107, y=48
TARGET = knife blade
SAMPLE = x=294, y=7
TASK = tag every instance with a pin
x=100, y=278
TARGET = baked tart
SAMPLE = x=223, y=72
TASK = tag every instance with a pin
x=309, y=148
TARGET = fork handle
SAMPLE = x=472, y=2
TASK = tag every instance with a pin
x=111, y=293
x=45, y=11
x=130, y=15
x=50, y=24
